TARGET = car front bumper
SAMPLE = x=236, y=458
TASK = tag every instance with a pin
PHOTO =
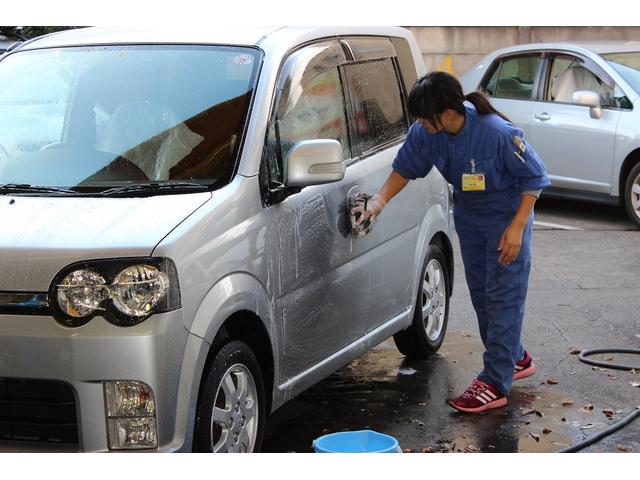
x=153, y=352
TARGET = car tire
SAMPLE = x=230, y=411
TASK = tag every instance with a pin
x=230, y=415
x=426, y=333
x=632, y=195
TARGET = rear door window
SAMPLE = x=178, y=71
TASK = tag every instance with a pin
x=513, y=77
x=377, y=106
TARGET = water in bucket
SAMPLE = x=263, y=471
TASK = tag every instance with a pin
x=361, y=441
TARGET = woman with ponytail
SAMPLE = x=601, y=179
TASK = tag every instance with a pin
x=496, y=178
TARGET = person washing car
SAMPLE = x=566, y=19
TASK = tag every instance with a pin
x=496, y=177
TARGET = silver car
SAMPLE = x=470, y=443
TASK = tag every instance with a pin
x=175, y=254
x=578, y=104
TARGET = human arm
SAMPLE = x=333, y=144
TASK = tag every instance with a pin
x=374, y=205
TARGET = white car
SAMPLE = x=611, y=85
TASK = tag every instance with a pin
x=578, y=104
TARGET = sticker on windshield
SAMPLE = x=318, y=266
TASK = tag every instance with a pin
x=242, y=59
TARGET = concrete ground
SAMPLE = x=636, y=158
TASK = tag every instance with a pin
x=583, y=294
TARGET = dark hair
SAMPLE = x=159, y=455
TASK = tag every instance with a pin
x=438, y=91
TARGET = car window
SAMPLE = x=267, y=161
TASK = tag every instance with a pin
x=317, y=113
x=569, y=75
x=94, y=118
x=513, y=77
x=376, y=102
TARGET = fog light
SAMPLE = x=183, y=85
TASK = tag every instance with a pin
x=137, y=432
x=131, y=410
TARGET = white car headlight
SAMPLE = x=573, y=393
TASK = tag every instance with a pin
x=81, y=293
x=123, y=291
x=137, y=290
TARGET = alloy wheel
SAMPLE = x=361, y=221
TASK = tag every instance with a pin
x=634, y=194
x=234, y=424
x=434, y=299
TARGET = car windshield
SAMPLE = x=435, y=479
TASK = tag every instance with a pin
x=628, y=65
x=94, y=118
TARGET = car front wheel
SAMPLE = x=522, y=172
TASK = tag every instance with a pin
x=231, y=409
x=632, y=195
x=426, y=334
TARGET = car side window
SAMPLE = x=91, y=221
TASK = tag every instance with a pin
x=317, y=113
x=569, y=75
x=376, y=103
x=513, y=77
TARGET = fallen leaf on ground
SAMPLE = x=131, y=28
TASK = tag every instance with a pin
x=587, y=408
x=608, y=359
x=428, y=450
x=535, y=437
x=465, y=333
x=546, y=430
x=537, y=412
x=622, y=448
x=609, y=413
x=471, y=449
x=567, y=402
x=576, y=351
x=409, y=450
x=552, y=381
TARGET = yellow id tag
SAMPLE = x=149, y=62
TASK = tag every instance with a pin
x=473, y=182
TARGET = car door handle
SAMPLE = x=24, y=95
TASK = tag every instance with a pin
x=543, y=116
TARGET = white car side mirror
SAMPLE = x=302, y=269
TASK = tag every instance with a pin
x=588, y=99
x=313, y=162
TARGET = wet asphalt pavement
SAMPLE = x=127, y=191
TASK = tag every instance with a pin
x=583, y=294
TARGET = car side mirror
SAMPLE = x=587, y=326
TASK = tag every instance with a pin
x=313, y=162
x=588, y=99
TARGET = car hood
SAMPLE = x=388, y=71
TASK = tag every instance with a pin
x=41, y=235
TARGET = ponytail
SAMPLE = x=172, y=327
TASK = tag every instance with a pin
x=483, y=105
x=438, y=91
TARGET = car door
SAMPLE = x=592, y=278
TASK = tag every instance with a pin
x=511, y=83
x=324, y=281
x=377, y=105
x=577, y=149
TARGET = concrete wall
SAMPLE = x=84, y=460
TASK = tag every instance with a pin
x=456, y=49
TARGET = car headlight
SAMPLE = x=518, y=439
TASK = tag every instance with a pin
x=124, y=291
x=137, y=290
x=81, y=292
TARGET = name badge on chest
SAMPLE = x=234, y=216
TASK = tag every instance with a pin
x=474, y=181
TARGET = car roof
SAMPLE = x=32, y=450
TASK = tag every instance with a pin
x=225, y=36
x=601, y=47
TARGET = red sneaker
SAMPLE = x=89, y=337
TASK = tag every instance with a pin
x=478, y=397
x=524, y=368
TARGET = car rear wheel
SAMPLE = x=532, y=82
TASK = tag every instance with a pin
x=231, y=409
x=426, y=334
x=632, y=195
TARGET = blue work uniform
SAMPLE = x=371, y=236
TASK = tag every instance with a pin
x=489, y=145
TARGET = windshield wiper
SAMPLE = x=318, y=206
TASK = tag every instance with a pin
x=154, y=188
x=27, y=188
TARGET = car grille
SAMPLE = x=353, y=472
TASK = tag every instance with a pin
x=41, y=411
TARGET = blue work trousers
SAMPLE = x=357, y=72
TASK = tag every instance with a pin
x=498, y=291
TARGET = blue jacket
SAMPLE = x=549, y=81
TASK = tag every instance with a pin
x=497, y=148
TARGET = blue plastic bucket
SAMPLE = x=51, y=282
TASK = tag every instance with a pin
x=361, y=441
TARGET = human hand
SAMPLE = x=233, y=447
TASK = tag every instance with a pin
x=510, y=244
x=364, y=212
x=369, y=209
